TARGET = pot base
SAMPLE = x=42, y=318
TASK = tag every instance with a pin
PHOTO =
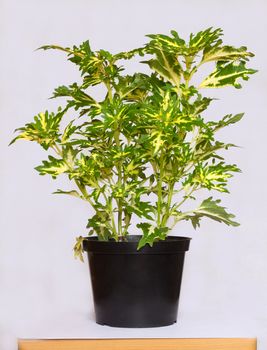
x=137, y=325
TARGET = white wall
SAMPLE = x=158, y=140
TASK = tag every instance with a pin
x=44, y=292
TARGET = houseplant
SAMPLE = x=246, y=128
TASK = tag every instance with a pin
x=143, y=150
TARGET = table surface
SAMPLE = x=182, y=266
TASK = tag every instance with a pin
x=80, y=324
x=140, y=344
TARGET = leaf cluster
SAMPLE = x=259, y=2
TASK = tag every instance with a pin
x=145, y=148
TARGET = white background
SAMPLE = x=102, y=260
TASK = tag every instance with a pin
x=44, y=292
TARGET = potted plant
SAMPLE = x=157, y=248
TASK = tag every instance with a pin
x=143, y=150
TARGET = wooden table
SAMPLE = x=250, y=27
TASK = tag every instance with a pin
x=140, y=344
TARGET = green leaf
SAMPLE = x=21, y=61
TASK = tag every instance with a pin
x=53, y=167
x=226, y=120
x=129, y=54
x=73, y=193
x=96, y=67
x=210, y=208
x=227, y=74
x=62, y=91
x=68, y=132
x=141, y=209
x=225, y=53
x=87, y=170
x=151, y=234
x=198, y=106
x=204, y=39
x=171, y=45
x=79, y=98
x=76, y=53
x=100, y=225
x=43, y=130
x=166, y=65
x=212, y=177
x=132, y=88
x=166, y=50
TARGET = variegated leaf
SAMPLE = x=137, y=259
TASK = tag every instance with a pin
x=172, y=45
x=204, y=39
x=212, y=209
x=212, y=177
x=53, y=167
x=226, y=120
x=68, y=132
x=227, y=74
x=72, y=193
x=79, y=98
x=146, y=135
x=167, y=66
x=43, y=130
x=151, y=234
x=225, y=53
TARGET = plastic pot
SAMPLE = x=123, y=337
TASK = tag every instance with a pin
x=136, y=288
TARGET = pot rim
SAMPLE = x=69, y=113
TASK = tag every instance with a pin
x=171, y=245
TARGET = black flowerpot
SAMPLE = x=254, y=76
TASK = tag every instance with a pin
x=136, y=288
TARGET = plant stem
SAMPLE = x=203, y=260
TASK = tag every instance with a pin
x=119, y=169
x=159, y=185
x=108, y=86
x=109, y=204
x=193, y=189
x=84, y=192
x=188, y=75
x=127, y=223
x=167, y=213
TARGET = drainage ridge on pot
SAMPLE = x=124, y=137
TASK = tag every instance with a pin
x=136, y=288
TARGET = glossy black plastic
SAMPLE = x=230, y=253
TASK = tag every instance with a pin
x=136, y=288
